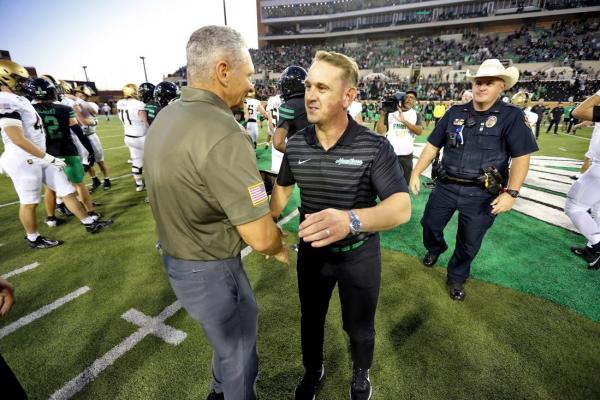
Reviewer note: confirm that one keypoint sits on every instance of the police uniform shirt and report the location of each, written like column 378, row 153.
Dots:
column 490, row 137
column 152, row 109
column 55, row 118
column 202, row 179
column 292, row 116
column 360, row 167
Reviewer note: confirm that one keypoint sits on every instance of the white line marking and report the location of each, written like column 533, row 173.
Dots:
column 155, row 327
column 543, row 213
column 574, row 136
column 9, row 204
column 113, row 148
column 21, row 322
column 26, row 268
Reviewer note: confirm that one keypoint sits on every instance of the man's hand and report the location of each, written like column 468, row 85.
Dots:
column 91, row 160
column 57, row 162
column 400, row 116
column 502, row 203
column 415, row 184
column 325, row 227
column 7, row 297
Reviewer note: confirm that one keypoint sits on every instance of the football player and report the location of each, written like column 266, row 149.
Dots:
column 89, row 110
column 164, row 93
column 292, row 113
column 146, row 95
column 252, row 108
column 272, row 108
column 132, row 114
column 59, row 120
column 25, row 159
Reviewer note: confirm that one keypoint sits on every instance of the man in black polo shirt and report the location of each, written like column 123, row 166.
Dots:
column 539, row 109
column 292, row 114
column 341, row 168
column 556, row 114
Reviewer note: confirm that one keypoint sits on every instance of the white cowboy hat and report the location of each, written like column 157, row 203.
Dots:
column 494, row 68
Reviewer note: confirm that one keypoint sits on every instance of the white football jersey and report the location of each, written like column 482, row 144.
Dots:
column 594, row 150
column 65, row 101
column 253, row 106
column 128, row 112
column 273, row 108
column 355, row 108
column 21, row 108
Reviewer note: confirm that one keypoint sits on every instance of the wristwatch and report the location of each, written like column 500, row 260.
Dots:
column 513, row 193
column 355, row 224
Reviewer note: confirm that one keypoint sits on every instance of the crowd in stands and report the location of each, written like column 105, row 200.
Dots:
column 564, row 41
column 341, row 6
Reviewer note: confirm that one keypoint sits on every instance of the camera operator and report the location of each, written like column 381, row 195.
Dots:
column 403, row 124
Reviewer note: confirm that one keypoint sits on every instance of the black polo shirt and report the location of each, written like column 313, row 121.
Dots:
column 292, row 116
column 360, row 167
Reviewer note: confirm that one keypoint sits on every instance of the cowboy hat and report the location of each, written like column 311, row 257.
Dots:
column 494, row 68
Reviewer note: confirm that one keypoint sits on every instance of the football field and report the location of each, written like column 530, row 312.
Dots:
column 95, row 318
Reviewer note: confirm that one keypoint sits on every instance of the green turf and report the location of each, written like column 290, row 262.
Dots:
column 506, row 341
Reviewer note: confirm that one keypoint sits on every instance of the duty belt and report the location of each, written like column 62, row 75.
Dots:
column 459, row 181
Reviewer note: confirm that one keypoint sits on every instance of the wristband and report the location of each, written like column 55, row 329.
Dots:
column 47, row 157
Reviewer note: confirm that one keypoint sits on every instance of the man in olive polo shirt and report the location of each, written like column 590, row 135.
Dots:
column 209, row 201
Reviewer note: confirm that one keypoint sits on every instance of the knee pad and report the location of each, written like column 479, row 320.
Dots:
column 136, row 170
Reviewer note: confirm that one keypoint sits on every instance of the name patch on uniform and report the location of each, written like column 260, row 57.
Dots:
column 458, row 122
column 491, row 121
column 258, row 193
column 348, row 161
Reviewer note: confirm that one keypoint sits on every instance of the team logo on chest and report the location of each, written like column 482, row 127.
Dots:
column 348, row 161
column 491, row 121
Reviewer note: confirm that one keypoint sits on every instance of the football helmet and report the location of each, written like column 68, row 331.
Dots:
column 66, row 87
column 165, row 92
column 146, row 92
column 130, row 90
column 40, row 89
column 85, row 89
column 520, row 99
column 291, row 81
column 12, row 75
column 50, row 78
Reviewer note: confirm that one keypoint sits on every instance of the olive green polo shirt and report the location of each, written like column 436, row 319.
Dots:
column 202, row 179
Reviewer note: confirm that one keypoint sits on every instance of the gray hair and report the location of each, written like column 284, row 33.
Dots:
column 209, row 44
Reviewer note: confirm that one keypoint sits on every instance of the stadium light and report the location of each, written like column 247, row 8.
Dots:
column 85, row 73
column 144, row 64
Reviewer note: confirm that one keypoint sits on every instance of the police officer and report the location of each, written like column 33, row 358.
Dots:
column 292, row 113
column 341, row 167
column 480, row 139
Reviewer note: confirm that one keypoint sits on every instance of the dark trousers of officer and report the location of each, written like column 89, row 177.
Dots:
column 217, row 294
column 406, row 162
column 538, row 127
column 474, row 219
column 358, row 275
column 555, row 124
column 9, row 384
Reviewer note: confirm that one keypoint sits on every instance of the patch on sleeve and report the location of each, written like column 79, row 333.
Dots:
column 258, row 193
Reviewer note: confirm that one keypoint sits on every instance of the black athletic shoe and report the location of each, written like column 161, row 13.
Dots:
column 51, row 221
column 215, row 396
column 95, row 185
column 360, row 388
column 42, row 243
column 62, row 208
column 308, row 386
column 594, row 263
column 97, row 225
column 106, row 185
column 456, row 290
column 584, row 252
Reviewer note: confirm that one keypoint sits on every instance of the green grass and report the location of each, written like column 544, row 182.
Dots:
column 527, row 330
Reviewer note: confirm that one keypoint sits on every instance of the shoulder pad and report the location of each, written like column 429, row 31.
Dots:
column 9, row 103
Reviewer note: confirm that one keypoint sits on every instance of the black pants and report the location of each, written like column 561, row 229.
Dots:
column 10, row 388
column 358, row 275
column 555, row 124
column 538, row 127
column 572, row 122
column 474, row 219
column 406, row 162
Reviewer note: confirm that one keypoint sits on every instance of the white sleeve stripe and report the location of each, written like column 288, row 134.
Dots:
column 6, row 122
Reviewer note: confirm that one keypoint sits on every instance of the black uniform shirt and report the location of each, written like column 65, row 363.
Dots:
column 292, row 116
column 557, row 113
column 539, row 110
column 55, row 118
column 490, row 137
column 360, row 167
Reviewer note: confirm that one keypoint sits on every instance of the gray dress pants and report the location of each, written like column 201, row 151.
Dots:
column 217, row 294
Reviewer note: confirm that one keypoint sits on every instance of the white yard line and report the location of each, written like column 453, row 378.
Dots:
column 18, row 271
column 575, row 136
column 112, row 148
column 148, row 325
column 21, row 322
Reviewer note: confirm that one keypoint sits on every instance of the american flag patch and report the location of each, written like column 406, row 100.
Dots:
column 258, row 193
